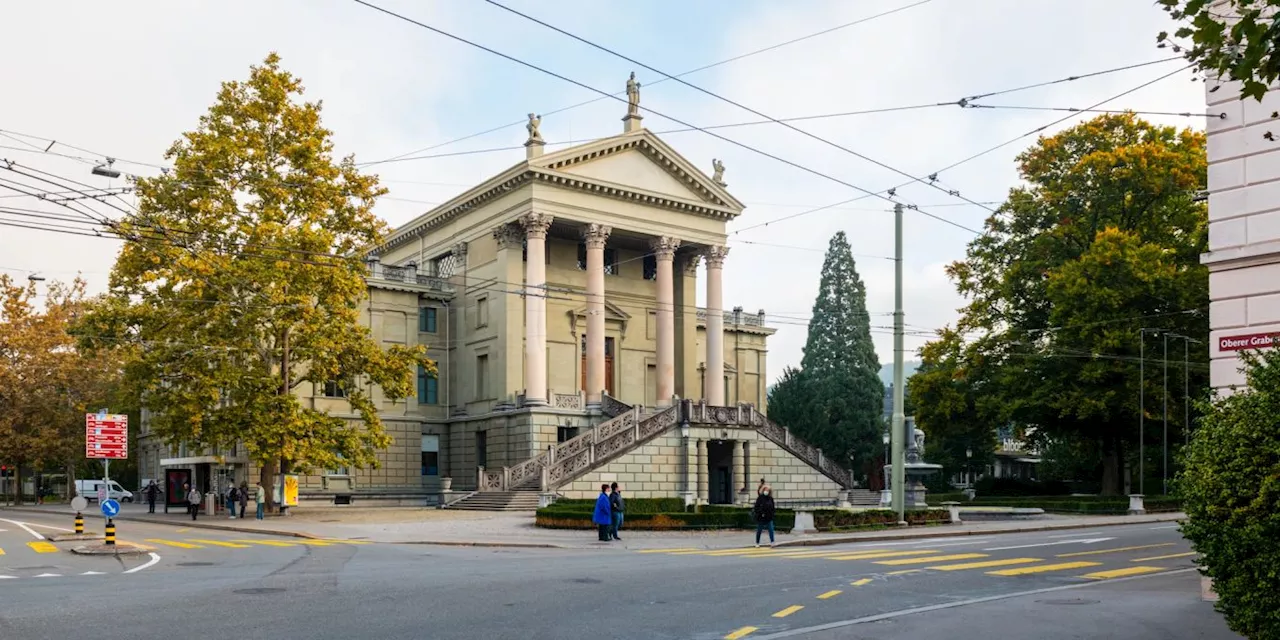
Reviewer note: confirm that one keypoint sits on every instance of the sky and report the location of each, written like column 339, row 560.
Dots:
column 124, row 80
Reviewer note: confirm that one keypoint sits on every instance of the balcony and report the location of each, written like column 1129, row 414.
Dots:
column 737, row 317
column 406, row 278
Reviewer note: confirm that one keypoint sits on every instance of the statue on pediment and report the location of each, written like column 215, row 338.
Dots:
column 718, row 172
column 535, row 132
column 633, row 96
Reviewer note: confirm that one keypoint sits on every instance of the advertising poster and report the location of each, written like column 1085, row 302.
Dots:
column 290, row 491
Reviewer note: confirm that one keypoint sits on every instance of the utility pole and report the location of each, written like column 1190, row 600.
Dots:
column 899, row 417
column 1142, row 407
column 1164, row 440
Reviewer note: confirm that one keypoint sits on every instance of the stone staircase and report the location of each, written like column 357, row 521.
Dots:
column 864, row 498
column 519, row 500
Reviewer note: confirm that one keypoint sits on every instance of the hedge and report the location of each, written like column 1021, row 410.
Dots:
column 836, row 519
column 719, row 518
column 1103, row 505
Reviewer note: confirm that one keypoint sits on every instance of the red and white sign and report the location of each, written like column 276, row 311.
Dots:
column 1250, row 341
column 106, row 436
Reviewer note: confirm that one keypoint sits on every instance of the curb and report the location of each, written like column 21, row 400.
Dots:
column 103, row 550
column 941, row 532
column 463, row 543
column 193, row 525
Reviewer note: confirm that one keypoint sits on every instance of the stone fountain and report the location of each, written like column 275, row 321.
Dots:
column 915, row 469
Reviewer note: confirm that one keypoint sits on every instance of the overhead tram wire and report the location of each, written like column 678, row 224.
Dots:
column 689, row 72
column 1137, row 112
column 654, row 112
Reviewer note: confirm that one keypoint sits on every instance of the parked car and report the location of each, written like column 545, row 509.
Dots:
column 89, row 489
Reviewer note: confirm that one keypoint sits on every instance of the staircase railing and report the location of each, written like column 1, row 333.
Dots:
column 746, row 415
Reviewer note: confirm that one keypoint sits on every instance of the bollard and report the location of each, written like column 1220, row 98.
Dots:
column 111, row 534
column 79, row 524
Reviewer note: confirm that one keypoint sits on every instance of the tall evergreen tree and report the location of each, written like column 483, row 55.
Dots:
column 836, row 399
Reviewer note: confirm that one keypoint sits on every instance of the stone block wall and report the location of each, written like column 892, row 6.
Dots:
column 652, row 470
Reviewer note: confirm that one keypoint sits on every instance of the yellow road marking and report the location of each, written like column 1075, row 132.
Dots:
column 740, row 633
column 316, row 543
column 1120, row 573
column 880, row 554
column 903, row 572
column 171, row 543
column 267, row 543
column 667, row 550
column 219, row 543
column 809, row 554
column 722, row 552
column 859, row 583
column 184, row 529
column 958, row 556
column 830, row 594
column 1043, row 568
column 125, row 543
column 1175, row 555
column 1, row 552
column 984, row 565
column 43, row 547
column 1092, row 553
column 348, row 541
column 788, row 611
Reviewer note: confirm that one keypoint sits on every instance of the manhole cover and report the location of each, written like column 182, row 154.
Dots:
column 587, row 581
column 1068, row 601
column 195, row 564
column 258, row 590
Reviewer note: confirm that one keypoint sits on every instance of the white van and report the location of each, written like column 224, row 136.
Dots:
column 89, row 489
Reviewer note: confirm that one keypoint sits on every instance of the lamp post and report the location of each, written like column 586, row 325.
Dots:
column 1142, row 406
column 968, row 466
column 885, row 467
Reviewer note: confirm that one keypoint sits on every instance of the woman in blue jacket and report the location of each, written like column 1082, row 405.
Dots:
column 603, row 516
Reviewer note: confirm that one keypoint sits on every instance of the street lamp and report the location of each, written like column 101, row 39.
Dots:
column 106, row 170
column 885, row 468
column 968, row 466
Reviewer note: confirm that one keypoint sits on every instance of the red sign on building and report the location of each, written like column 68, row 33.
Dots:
column 1250, row 341
column 106, row 436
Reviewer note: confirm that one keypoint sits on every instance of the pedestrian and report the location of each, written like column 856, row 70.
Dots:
column 233, row 496
column 152, row 491
column 261, row 497
column 763, row 513
column 603, row 516
column 616, row 505
column 244, row 497
column 193, row 500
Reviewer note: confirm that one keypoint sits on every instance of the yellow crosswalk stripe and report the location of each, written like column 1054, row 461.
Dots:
column 1063, row 566
column 807, row 554
column 1168, row 557
column 172, row 543
column 903, row 572
column 42, row 547
column 722, row 552
column 740, row 633
column 880, row 554
column 1120, row 573
column 958, row 556
column 1, row 552
column 667, row 550
column 830, row 594
column 1092, row 553
column 219, row 543
column 788, row 611
column 859, row 583
column 267, row 543
column 983, row 565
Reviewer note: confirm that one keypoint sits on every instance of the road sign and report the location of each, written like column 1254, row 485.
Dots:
column 110, row 508
column 79, row 503
column 106, row 436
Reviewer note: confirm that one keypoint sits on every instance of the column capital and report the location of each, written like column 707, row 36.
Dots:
column 508, row 236
column 715, row 256
column 689, row 266
column 536, row 224
column 596, row 235
column 664, row 247
column 460, row 249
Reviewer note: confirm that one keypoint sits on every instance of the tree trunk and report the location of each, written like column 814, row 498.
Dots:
column 1112, row 467
column 266, row 477
column 71, row 481
column 17, row 480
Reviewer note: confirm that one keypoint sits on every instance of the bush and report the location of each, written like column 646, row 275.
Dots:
column 1230, row 488
column 576, row 514
column 838, row 519
column 1095, row 505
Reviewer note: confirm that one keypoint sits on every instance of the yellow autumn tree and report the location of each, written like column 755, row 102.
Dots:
column 242, row 277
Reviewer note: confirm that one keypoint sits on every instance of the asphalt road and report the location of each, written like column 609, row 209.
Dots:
column 1092, row 583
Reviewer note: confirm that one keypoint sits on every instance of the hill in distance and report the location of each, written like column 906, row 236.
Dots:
column 908, row 368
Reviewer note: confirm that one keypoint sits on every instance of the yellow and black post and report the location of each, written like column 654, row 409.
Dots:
column 111, row 533
column 79, row 524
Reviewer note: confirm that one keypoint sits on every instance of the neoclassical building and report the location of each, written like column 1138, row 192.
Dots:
column 559, row 299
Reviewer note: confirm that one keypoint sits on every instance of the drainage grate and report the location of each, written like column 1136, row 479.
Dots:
column 258, row 590
column 1068, row 601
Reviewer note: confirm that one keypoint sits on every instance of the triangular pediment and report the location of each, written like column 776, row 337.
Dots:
column 611, row 312
column 641, row 161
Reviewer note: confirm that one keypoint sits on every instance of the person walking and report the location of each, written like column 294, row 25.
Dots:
column 151, row 492
column 763, row 513
column 617, row 506
column 233, row 496
column 603, row 515
column 261, row 498
column 193, row 500
column 244, row 497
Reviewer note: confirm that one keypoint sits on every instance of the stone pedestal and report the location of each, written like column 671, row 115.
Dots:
column 546, row 499
column 886, row 498
column 1136, row 507
column 914, row 494
column 804, row 523
column 842, row 500
column 954, row 508
column 1206, row 589
column 689, row 499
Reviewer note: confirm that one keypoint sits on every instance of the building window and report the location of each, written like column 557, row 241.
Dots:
column 611, row 262
column 339, row 470
column 430, row 455
column 428, row 387
column 482, row 312
column 582, row 256
column 427, row 319
column 566, row 433
column 650, row 267
column 482, row 376
column 482, row 449
column 334, row 389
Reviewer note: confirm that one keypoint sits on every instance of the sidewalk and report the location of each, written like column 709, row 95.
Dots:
column 499, row 529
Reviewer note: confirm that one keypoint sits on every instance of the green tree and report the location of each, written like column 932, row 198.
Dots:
column 952, row 406
column 1235, row 40
column 835, row 401
column 1230, row 490
column 1104, row 239
column 242, row 278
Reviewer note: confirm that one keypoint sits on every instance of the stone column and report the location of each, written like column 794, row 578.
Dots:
column 664, row 249
column 739, row 485
column 535, row 308
column 595, row 235
column 702, row 472
column 715, row 326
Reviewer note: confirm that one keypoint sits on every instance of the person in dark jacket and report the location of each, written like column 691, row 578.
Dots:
column 763, row 513
column 603, row 516
column 617, row 505
column 152, row 492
